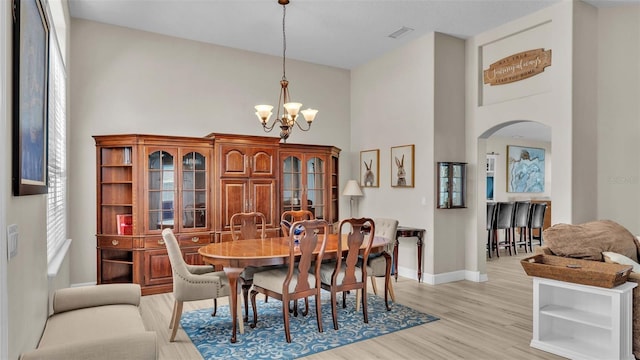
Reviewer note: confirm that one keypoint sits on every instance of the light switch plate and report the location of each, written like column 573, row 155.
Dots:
column 12, row 243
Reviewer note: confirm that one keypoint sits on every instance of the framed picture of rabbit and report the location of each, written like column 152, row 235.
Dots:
column 370, row 168
column 402, row 166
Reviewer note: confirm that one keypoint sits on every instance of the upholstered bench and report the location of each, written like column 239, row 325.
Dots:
column 96, row 322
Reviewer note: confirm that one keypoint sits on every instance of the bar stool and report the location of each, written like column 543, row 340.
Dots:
column 491, row 216
column 521, row 220
column 504, row 221
column 536, row 223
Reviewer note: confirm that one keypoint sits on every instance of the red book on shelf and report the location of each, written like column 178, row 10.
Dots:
column 125, row 224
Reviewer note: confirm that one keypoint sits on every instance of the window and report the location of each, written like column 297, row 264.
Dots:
column 57, row 169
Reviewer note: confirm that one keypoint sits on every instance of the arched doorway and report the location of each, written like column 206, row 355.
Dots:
column 493, row 150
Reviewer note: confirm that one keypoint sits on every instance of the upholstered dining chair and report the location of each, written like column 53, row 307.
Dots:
column 192, row 282
column 248, row 225
column 296, row 281
column 289, row 217
column 377, row 264
column 347, row 272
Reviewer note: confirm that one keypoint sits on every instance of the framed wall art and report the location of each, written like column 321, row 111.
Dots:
column 525, row 169
column 370, row 168
column 402, row 162
column 30, row 85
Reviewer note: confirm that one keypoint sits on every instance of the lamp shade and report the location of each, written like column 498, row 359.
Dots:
column 352, row 189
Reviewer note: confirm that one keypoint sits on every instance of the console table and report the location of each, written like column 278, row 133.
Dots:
column 405, row 231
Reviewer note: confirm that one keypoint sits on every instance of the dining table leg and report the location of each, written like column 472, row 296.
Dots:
column 233, row 274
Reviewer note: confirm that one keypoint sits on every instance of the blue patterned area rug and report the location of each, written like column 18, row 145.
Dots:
column 211, row 335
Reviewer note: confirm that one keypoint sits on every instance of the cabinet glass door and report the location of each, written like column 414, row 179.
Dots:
column 194, row 191
column 315, row 187
column 451, row 185
column 291, row 183
column 161, row 171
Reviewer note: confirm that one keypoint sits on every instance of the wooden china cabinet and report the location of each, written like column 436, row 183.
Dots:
column 146, row 183
column 309, row 180
column 193, row 185
column 246, row 179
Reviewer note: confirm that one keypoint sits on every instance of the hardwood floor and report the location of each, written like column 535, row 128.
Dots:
column 490, row 320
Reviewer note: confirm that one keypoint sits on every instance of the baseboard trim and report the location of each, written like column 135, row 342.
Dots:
column 444, row 278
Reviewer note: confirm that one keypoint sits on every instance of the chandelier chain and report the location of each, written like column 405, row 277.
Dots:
column 284, row 43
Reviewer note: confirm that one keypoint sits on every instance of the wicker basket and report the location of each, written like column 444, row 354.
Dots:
column 585, row 272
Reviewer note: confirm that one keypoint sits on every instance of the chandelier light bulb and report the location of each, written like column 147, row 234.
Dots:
column 309, row 114
column 264, row 112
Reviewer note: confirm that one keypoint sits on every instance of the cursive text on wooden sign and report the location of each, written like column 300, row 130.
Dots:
column 517, row 67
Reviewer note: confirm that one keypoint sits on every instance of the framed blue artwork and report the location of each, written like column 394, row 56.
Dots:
column 525, row 169
column 30, row 89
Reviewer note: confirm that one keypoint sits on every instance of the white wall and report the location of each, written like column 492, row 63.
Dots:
column 552, row 108
column 619, row 115
column 129, row 81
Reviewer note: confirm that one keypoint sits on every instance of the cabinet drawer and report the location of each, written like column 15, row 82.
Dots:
column 116, row 243
column 194, row 239
column 154, row 242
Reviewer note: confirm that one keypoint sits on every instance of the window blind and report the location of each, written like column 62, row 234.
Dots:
column 57, row 168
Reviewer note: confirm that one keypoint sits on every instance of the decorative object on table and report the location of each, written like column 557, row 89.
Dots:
column 30, row 84
column 210, row 335
column 402, row 174
column 452, row 185
column 370, row 168
column 525, row 169
column 353, row 191
column 291, row 109
column 585, row 272
column 289, row 217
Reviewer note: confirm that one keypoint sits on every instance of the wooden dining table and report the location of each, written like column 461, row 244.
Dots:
column 235, row 256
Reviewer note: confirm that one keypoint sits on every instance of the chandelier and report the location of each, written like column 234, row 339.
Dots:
column 291, row 109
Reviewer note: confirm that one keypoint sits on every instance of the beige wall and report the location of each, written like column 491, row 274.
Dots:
column 129, row 81
column 391, row 105
column 413, row 95
column 619, row 115
column 26, row 274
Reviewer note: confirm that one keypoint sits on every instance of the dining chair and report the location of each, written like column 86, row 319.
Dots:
column 248, row 225
column 504, row 221
column 491, row 216
column 192, row 282
column 536, row 223
column 289, row 217
column 347, row 272
column 521, row 220
column 296, row 281
column 377, row 263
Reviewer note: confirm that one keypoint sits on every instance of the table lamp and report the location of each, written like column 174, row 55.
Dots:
column 352, row 189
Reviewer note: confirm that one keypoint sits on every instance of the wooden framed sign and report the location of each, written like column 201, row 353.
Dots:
column 517, row 67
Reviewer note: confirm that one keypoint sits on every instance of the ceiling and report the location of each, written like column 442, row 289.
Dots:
column 338, row 33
